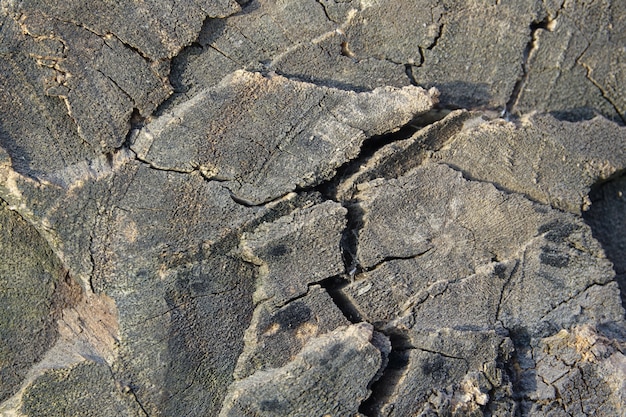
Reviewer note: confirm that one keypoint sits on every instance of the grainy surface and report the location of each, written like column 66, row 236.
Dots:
column 301, row 207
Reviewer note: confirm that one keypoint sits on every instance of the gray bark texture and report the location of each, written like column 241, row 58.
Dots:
column 372, row 208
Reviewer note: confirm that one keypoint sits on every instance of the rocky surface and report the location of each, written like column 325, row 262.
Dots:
column 294, row 208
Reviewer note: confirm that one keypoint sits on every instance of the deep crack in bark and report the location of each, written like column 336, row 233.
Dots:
column 529, row 52
column 606, row 196
column 384, row 388
column 334, row 287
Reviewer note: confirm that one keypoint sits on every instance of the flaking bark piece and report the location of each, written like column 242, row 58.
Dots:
column 425, row 234
column 266, row 136
column 276, row 335
column 155, row 29
column 296, row 250
column 309, row 385
column 550, row 161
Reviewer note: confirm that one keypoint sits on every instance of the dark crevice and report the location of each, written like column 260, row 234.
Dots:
column 422, row 59
column 445, row 355
column 505, row 285
column 219, row 51
column 158, row 168
column 421, row 49
column 369, row 147
column 607, row 219
column 395, row 258
column 384, row 388
column 520, row 369
column 408, row 70
column 395, row 362
column 132, row 392
column 321, row 3
column 433, row 44
column 132, row 48
column 211, row 29
column 128, row 96
column 128, row 389
column 436, row 114
column 334, row 287
column 136, row 123
column 328, row 189
column 178, row 66
column 350, row 238
column 290, row 300
column 249, row 203
column 385, row 59
column 529, row 51
column 92, row 259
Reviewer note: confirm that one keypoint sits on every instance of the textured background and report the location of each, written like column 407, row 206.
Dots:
column 312, row 208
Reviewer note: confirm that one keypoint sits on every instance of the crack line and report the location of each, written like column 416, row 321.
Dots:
column 603, row 93
column 529, row 52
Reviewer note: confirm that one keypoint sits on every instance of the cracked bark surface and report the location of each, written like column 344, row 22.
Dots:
column 565, row 74
column 264, row 208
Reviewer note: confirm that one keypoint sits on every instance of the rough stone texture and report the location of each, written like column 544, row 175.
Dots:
column 83, row 70
column 549, row 161
column 156, row 29
column 31, row 293
column 86, row 389
column 23, row 98
column 439, row 357
column 308, row 40
column 101, row 62
column 436, row 261
column 168, row 270
column 578, row 372
column 292, row 253
column 465, row 63
column 448, row 302
column 400, row 156
column 262, row 208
